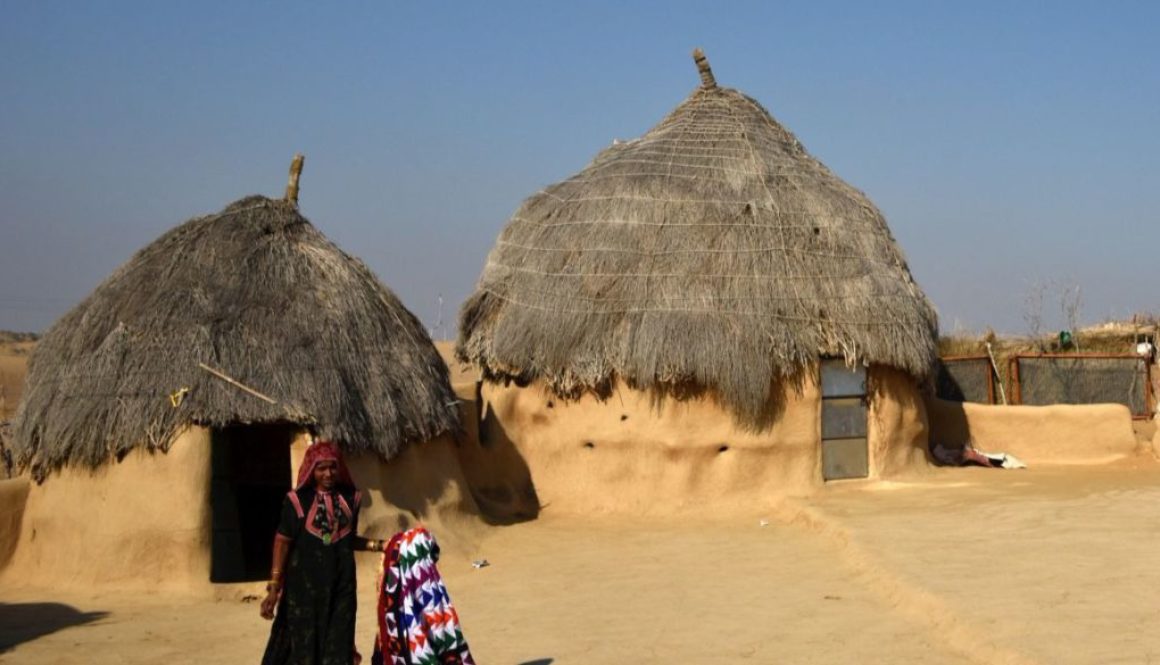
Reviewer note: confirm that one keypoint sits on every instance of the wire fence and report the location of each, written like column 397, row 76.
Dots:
column 965, row 379
column 1074, row 378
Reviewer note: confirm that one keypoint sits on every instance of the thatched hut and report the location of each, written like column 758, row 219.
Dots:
column 711, row 259
column 182, row 391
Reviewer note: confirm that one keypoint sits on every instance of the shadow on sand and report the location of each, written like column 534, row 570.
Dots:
column 24, row 622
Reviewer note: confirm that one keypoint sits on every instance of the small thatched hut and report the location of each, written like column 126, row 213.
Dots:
column 178, row 396
column 711, row 259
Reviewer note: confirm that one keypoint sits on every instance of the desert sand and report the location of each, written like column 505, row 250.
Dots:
column 13, row 365
column 1047, row 565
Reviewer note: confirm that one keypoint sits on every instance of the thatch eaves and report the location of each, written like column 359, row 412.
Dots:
column 258, row 294
column 713, row 251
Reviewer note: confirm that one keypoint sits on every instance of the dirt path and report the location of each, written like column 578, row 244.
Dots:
column 969, row 566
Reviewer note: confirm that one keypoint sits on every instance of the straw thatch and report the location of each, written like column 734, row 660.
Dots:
column 713, row 251
column 6, row 462
column 254, row 292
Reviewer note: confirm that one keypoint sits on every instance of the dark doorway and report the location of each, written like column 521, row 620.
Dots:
column 251, row 475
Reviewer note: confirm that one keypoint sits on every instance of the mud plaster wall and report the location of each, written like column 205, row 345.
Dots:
column 1154, row 375
column 1057, row 434
column 899, row 431
column 13, row 499
column 424, row 484
column 1156, row 435
column 141, row 523
column 145, row 523
column 629, row 454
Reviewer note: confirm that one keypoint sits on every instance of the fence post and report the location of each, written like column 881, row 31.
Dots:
column 998, row 379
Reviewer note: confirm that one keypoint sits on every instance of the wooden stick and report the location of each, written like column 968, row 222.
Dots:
column 707, row 79
column 295, row 173
column 998, row 379
column 236, row 384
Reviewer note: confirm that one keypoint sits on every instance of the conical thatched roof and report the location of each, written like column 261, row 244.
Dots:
column 259, row 295
column 713, row 251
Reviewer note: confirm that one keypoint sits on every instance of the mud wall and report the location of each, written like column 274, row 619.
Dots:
column 1057, row 434
column 899, row 430
column 145, row 522
column 13, row 499
column 632, row 453
column 424, row 484
column 141, row 523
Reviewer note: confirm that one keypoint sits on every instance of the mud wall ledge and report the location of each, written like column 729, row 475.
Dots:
column 1056, row 434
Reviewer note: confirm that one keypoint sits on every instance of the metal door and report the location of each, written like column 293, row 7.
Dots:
column 844, row 443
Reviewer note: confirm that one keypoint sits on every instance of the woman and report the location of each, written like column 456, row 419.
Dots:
column 417, row 622
column 313, row 578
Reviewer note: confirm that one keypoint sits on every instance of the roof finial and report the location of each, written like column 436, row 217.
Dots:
column 707, row 80
column 295, row 173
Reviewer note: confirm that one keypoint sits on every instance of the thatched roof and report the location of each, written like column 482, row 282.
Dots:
column 258, row 294
column 5, row 449
column 713, row 251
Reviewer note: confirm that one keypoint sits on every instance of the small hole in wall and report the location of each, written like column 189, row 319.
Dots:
column 722, row 448
column 589, row 444
column 623, row 417
column 551, row 404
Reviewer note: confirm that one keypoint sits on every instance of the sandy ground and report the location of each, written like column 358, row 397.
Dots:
column 968, row 566
column 1144, row 429
column 13, row 363
column 459, row 372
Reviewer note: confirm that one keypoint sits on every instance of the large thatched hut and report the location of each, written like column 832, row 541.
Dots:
column 164, row 414
column 676, row 299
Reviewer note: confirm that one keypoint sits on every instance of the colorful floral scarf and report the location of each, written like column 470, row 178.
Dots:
column 417, row 623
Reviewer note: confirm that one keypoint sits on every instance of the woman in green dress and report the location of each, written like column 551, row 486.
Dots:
column 312, row 583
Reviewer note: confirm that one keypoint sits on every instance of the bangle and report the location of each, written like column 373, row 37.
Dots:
column 275, row 574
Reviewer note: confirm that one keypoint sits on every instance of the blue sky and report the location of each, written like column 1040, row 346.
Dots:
column 1008, row 143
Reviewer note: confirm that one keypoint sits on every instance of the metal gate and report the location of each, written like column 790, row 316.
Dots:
column 844, row 444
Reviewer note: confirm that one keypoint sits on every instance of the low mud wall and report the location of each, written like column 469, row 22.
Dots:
column 1057, row 434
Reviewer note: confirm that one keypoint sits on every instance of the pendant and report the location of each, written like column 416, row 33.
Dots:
column 326, row 539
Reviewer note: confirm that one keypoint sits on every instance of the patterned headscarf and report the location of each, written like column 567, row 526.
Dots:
column 322, row 451
column 417, row 622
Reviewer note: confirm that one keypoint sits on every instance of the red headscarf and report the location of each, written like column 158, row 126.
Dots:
column 322, row 451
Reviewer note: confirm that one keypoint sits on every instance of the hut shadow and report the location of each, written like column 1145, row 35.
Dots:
column 497, row 473
column 755, row 417
column 454, row 476
column 538, row 661
column 26, row 622
column 949, row 426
